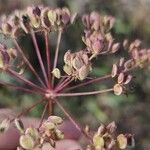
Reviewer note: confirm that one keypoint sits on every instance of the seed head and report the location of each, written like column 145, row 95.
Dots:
column 77, row 64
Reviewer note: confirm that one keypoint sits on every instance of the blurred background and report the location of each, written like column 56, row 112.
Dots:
column 131, row 113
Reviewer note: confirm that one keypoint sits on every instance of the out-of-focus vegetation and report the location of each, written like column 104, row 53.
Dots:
column 130, row 112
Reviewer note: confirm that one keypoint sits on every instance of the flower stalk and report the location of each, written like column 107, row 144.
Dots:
column 57, row 52
column 27, row 62
column 48, row 58
column 39, row 56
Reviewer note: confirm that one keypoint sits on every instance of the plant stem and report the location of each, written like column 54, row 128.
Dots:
column 50, row 107
column 48, row 58
column 28, row 109
column 83, row 93
column 29, row 83
column 42, row 116
column 72, row 120
column 39, row 56
column 56, row 53
column 64, row 85
column 18, row 88
column 60, row 85
column 27, row 62
column 60, row 81
column 97, row 79
column 89, row 82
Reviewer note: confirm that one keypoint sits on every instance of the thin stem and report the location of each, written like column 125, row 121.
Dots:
column 29, row 83
column 18, row 88
column 39, row 56
column 97, row 79
column 84, row 93
column 63, row 86
column 89, row 82
column 48, row 57
column 57, row 48
column 56, row 53
column 28, row 109
column 50, row 107
column 42, row 116
column 102, row 53
column 27, row 62
column 72, row 120
column 60, row 85
column 60, row 81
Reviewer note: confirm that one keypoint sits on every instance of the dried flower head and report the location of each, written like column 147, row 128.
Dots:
column 106, row 138
column 123, row 78
column 97, row 39
column 7, row 55
column 37, row 18
column 94, row 21
column 59, row 18
column 77, row 64
column 48, row 131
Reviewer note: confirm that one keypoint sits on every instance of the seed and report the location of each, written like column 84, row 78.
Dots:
column 55, row 119
column 27, row 142
column 122, row 141
column 118, row 89
column 19, row 125
column 56, row 73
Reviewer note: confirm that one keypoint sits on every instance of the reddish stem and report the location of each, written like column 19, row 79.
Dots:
column 50, row 108
column 73, row 120
column 60, row 85
column 39, row 56
column 48, row 58
column 28, row 109
column 64, row 85
column 97, row 79
column 89, row 82
column 42, row 116
column 60, row 81
column 27, row 62
column 19, row 88
column 56, row 53
column 29, row 83
column 83, row 93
